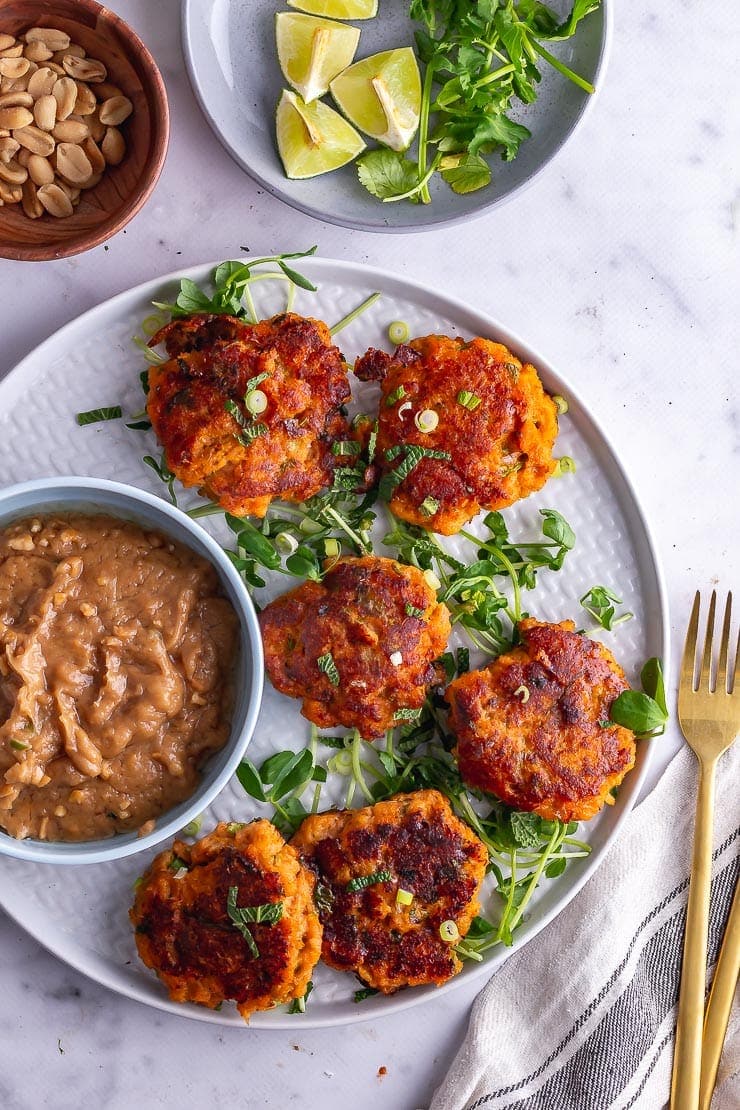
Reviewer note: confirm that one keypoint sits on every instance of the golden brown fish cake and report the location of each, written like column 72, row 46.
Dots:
column 533, row 727
column 184, row 931
column 197, row 408
column 377, row 622
column 498, row 452
column 428, row 852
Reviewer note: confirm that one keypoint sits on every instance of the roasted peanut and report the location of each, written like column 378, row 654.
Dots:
column 45, row 112
column 71, row 190
column 105, row 90
column 73, row 164
column 115, row 110
column 13, row 172
column 41, row 82
column 55, row 200
column 23, row 156
column 94, row 154
column 85, row 103
column 14, row 67
column 37, row 52
column 40, row 170
column 12, row 51
column 32, row 206
column 34, row 139
column 15, row 117
column 113, row 146
column 97, row 129
column 71, row 131
column 50, row 36
column 85, row 69
column 8, row 148
column 16, row 100
column 74, row 50
column 65, row 94
column 10, row 194
column 6, row 41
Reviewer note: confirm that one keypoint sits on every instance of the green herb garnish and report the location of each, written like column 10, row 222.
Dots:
column 94, row 416
column 241, row 917
column 646, row 713
column 363, row 881
column 327, row 665
column 396, row 395
column 601, row 603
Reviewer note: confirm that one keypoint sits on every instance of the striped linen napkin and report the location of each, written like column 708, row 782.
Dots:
column 583, row 1017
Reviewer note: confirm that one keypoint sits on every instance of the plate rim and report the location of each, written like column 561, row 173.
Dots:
column 99, row 970
column 190, row 6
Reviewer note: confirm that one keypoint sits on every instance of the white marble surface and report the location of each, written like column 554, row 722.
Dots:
column 621, row 263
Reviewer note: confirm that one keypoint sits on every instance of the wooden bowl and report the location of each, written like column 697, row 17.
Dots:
column 123, row 189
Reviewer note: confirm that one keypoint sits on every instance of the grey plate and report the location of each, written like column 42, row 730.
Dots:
column 229, row 47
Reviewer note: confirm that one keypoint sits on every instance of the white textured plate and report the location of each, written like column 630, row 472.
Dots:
column 81, row 913
column 229, row 48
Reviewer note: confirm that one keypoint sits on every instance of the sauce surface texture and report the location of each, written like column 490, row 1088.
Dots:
column 116, row 654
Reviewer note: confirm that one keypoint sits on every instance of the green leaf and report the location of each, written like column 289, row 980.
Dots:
column 296, row 772
column 94, row 416
column 638, row 712
column 296, row 278
column 258, row 546
column 651, row 679
column 327, row 665
column 556, row 528
column 387, row 173
column 526, row 828
column 249, row 778
column 556, row 867
column 466, row 173
column 272, row 768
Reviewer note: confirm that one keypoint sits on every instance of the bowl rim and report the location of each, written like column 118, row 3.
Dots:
column 122, row 845
column 160, row 115
column 433, row 223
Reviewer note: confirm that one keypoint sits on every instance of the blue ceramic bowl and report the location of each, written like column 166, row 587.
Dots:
column 98, row 496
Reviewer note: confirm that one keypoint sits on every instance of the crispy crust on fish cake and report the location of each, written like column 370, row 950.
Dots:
column 500, row 451
column 533, row 727
column 212, row 441
column 428, row 852
column 382, row 626
column 184, row 932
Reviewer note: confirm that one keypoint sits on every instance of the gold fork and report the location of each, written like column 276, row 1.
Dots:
column 709, row 715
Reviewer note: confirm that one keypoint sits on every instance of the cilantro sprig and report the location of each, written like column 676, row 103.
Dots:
column 479, row 58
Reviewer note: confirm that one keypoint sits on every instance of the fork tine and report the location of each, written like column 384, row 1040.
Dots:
column 688, row 662
column 705, row 674
column 723, row 677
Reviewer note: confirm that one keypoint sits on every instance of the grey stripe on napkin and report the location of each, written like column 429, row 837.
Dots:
column 583, row 1017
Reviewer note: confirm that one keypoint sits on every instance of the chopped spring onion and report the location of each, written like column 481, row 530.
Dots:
column 327, row 665
column 396, row 658
column 341, row 763
column 193, row 827
column 256, row 402
column 94, row 416
column 19, row 745
column 150, row 325
column 398, row 331
column 176, row 864
column 431, row 580
column 332, row 548
column 404, row 897
column 404, row 407
column 426, row 420
column 309, row 527
column 565, row 465
column 560, row 404
column 522, row 692
column 233, row 827
column 397, row 395
column 449, row 932
column 285, row 543
column 469, row 400
column 429, row 506
column 363, row 881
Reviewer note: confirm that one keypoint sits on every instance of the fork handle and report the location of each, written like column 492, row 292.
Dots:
column 720, row 1002
column 687, row 1055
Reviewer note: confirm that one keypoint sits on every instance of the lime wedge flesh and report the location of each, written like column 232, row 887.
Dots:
column 313, row 138
column 381, row 95
column 337, row 9
column 313, row 51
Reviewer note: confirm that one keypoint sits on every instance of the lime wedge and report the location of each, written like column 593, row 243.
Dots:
column 382, row 96
column 313, row 138
column 312, row 51
column 337, row 9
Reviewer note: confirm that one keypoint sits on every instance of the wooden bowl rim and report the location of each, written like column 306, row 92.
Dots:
column 160, row 118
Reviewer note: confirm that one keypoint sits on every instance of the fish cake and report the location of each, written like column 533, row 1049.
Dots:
column 212, row 440
column 495, row 428
column 533, row 727
column 185, row 933
column 358, row 646
column 428, row 852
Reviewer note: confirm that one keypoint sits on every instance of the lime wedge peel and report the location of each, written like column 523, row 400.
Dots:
column 313, row 51
column 381, row 96
column 312, row 138
column 337, row 9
